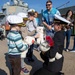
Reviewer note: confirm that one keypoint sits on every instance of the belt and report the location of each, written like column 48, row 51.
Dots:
column 57, row 56
column 13, row 56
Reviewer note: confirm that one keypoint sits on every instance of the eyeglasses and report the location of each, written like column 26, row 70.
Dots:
column 48, row 4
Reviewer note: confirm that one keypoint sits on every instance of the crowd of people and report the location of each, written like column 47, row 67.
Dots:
column 25, row 24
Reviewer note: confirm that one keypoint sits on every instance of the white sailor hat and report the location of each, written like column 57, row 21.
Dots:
column 58, row 18
column 23, row 15
column 31, row 10
column 7, row 18
column 14, row 19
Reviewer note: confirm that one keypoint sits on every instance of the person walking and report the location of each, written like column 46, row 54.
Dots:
column 69, row 17
column 48, row 16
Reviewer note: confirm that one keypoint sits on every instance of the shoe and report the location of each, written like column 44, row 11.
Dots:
column 72, row 50
column 67, row 50
column 25, row 71
column 60, row 73
column 30, row 59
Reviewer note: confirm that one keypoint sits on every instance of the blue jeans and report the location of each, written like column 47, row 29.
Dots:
column 67, row 36
column 30, row 51
column 50, row 33
column 74, row 43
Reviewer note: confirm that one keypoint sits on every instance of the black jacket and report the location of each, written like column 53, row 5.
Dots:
column 55, row 66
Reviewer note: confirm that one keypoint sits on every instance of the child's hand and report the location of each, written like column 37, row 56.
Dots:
column 33, row 41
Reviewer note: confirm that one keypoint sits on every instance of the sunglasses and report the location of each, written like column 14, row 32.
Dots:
column 48, row 4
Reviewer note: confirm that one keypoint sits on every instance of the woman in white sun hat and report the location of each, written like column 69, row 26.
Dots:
column 31, row 25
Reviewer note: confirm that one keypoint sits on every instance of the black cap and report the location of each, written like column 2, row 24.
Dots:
column 61, row 20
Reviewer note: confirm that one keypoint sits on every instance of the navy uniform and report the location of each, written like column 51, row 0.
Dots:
column 53, row 58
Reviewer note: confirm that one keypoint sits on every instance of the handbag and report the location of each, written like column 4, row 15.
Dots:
column 31, row 33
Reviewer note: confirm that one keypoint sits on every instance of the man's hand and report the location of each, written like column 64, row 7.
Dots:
column 49, row 27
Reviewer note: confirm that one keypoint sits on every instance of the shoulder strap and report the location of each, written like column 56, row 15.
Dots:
column 34, row 25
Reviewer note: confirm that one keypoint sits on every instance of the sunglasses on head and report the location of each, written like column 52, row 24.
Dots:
column 48, row 4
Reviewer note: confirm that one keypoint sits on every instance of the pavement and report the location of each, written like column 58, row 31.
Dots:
column 68, row 66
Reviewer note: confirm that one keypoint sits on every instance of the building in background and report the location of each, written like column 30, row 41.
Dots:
column 7, row 9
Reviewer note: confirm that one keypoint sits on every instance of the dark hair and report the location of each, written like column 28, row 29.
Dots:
column 49, row 1
column 31, row 13
column 36, row 12
column 68, row 12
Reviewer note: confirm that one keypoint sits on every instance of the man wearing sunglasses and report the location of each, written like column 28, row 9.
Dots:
column 48, row 16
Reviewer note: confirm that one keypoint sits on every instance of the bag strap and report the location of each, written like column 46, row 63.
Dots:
column 34, row 25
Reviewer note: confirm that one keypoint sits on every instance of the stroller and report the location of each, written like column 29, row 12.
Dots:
column 1, row 34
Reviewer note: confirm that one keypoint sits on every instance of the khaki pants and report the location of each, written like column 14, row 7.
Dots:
column 31, row 33
column 25, row 32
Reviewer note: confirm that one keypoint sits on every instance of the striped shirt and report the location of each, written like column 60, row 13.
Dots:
column 15, row 43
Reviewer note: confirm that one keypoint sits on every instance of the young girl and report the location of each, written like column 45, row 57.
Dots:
column 69, row 17
column 31, row 25
column 53, row 58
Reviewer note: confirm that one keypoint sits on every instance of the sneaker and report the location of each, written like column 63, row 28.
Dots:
column 25, row 71
column 60, row 73
column 67, row 50
column 72, row 50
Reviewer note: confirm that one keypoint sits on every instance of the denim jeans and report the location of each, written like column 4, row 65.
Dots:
column 74, row 43
column 67, row 36
column 22, row 63
column 50, row 33
column 30, row 51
